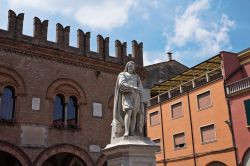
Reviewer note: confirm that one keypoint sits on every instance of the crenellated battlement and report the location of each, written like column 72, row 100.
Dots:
column 40, row 33
column 15, row 23
column 40, row 29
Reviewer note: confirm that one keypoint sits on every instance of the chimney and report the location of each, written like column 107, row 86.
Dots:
column 169, row 56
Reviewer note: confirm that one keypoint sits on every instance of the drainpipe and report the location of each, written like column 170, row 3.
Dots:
column 162, row 131
column 191, row 125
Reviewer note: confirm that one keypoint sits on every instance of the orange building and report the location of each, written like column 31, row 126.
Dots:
column 189, row 118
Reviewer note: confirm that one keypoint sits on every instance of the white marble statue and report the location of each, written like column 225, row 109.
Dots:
column 128, row 112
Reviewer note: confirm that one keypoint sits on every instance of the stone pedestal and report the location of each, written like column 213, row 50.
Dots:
column 131, row 151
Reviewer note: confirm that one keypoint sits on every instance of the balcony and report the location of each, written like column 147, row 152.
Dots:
column 238, row 86
column 153, row 101
column 187, row 86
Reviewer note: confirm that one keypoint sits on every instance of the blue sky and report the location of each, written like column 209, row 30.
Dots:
column 192, row 30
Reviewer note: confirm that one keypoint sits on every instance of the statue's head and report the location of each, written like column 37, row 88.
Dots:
column 130, row 67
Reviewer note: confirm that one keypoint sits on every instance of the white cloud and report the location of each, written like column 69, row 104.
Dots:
column 187, row 23
column 158, row 57
column 155, row 3
column 95, row 14
column 193, row 28
column 105, row 15
column 62, row 6
column 145, row 16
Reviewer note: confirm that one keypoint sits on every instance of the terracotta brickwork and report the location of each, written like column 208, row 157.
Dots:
column 37, row 68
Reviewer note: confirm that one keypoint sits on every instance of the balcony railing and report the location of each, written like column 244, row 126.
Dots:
column 200, row 81
column 238, row 86
column 187, row 86
column 197, row 82
column 153, row 101
column 164, row 96
column 175, row 92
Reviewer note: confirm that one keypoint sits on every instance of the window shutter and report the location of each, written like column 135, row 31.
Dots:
column 154, row 118
column 179, row 139
column 157, row 142
column 247, row 109
column 204, row 100
column 176, row 110
column 208, row 133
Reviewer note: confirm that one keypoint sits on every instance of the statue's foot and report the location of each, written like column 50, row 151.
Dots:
column 125, row 135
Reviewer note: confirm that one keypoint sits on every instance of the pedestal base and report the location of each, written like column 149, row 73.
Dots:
column 131, row 151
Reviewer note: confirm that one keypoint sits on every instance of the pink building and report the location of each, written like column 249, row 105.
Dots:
column 237, row 80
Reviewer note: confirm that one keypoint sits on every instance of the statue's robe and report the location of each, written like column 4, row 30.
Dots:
column 126, row 98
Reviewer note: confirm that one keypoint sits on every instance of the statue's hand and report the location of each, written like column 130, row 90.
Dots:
column 138, row 89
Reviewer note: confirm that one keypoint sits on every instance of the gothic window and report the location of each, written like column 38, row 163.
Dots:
column 66, row 97
column 58, row 117
column 72, row 111
column 65, row 112
column 7, row 103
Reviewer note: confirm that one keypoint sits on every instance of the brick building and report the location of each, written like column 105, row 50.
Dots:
column 190, row 118
column 56, row 100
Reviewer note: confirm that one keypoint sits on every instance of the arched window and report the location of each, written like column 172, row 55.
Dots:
column 58, row 116
column 7, row 103
column 72, row 111
column 246, row 158
column 216, row 163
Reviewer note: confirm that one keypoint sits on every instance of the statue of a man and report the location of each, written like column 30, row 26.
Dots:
column 128, row 113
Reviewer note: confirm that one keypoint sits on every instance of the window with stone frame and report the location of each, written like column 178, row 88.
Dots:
column 154, row 118
column 179, row 140
column 176, row 110
column 208, row 133
column 204, row 100
column 7, row 104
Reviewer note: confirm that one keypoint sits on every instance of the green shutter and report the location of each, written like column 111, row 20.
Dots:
column 247, row 109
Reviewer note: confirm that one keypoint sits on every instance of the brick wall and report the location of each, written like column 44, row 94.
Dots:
column 38, row 68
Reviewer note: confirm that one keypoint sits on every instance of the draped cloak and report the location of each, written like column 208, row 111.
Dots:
column 121, row 90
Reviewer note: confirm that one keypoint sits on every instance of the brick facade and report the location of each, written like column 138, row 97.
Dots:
column 37, row 68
